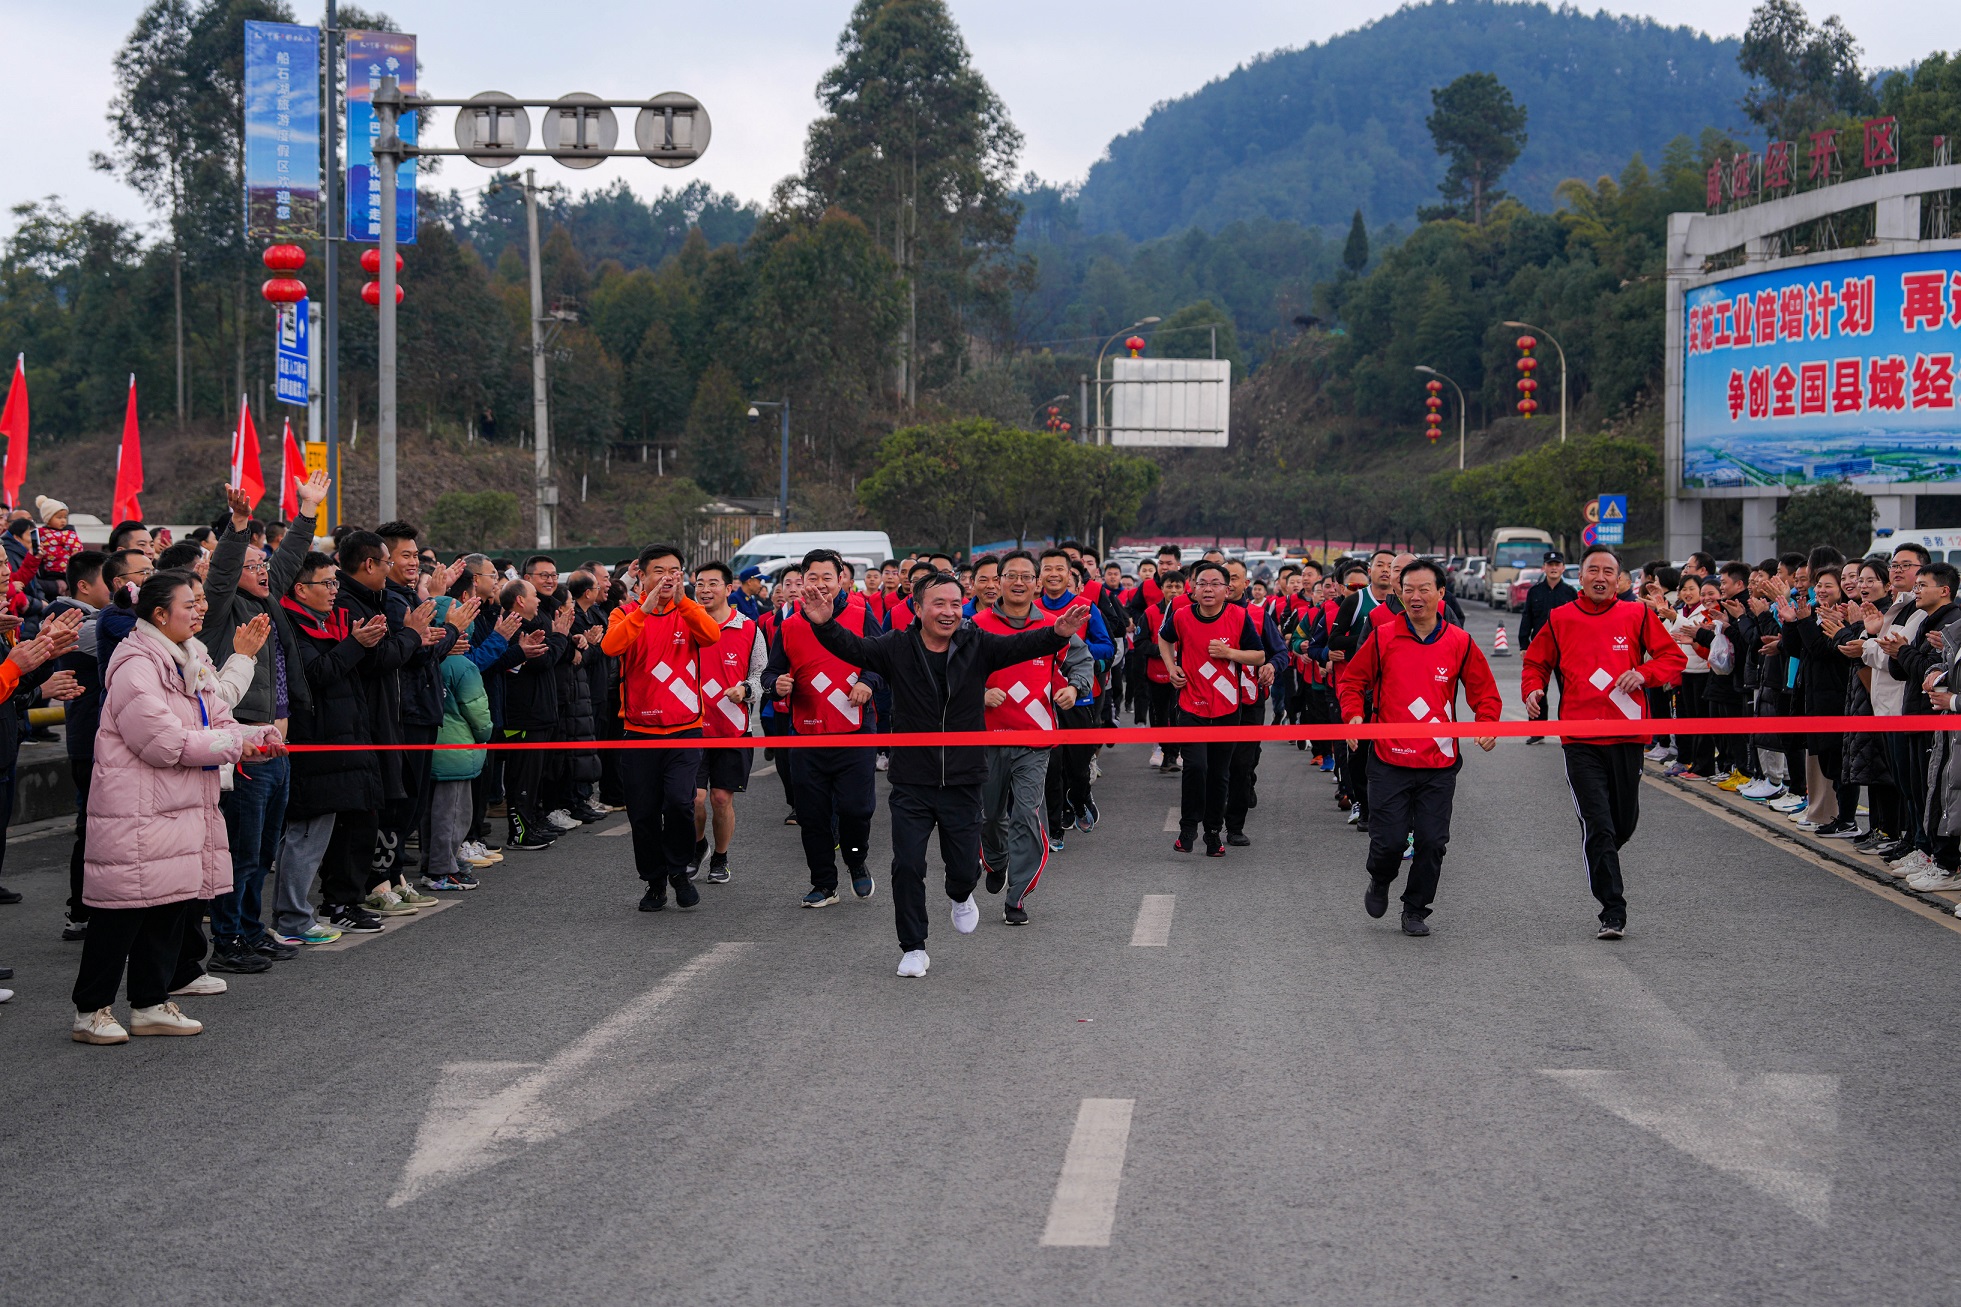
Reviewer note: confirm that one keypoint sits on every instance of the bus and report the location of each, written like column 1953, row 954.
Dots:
column 1511, row 550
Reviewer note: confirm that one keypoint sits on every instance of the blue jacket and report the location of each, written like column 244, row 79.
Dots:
column 1094, row 634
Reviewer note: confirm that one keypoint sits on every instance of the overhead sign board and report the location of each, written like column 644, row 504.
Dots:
column 1170, row 402
column 1831, row 371
column 1612, row 520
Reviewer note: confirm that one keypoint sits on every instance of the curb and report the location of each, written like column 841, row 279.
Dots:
column 1872, row 870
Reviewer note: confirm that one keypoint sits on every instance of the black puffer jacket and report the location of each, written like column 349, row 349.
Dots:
column 380, row 676
column 336, row 712
column 1863, row 760
column 921, row 703
column 531, row 684
column 421, row 678
column 576, row 721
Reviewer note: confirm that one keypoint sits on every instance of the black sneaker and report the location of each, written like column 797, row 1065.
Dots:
column 1362, row 826
column 1214, row 846
column 1015, row 916
column 1186, row 839
column 272, row 949
column 9, row 895
column 530, row 843
column 996, row 880
column 1608, row 930
column 862, row 883
column 1894, row 851
column 238, row 961
column 1845, row 828
column 718, row 869
column 1237, row 838
column 1086, row 819
column 72, row 930
column 685, row 893
column 1415, row 925
column 588, row 814
column 350, row 920
column 654, row 900
column 1375, row 899
column 1871, row 840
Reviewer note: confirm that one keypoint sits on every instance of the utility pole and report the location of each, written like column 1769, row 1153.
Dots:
column 541, row 423
column 330, row 253
column 388, row 154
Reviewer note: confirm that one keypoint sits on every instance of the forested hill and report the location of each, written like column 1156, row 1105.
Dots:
column 1310, row 134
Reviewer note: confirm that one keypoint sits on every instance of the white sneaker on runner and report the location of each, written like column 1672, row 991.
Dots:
column 966, row 915
column 1157, row 755
column 915, row 962
column 561, row 820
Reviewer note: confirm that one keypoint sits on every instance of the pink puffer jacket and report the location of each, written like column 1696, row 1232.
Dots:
column 155, row 833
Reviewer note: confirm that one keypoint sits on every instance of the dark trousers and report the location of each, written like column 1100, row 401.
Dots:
column 145, row 940
column 480, row 800
column 1243, row 773
column 255, row 819
column 1317, row 710
column 916, row 810
column 779, row 724
column 1605, row 780
column 1410, row 801
column 1354, row 765
column 836, row 792
column 1906, row 753
column 409, row 815
column 1163, row 697
column 1206, row 779
column 347, row 870
column 524, row 784
column 660, row 806
column 1067, row 783
column 80, row 770
column 1695, row 751
column 191, row 945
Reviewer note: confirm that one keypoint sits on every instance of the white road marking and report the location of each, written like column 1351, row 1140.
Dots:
column 1777, row 1133
column 1085, row 1205
column 483, row 1113
column 624, row 828
column 1153, row 929
column 1171, row 821
column 389, row 926
column 767, row 769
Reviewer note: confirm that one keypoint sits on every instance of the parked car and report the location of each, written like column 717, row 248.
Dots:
column 1521, row 586
column 1472, row 578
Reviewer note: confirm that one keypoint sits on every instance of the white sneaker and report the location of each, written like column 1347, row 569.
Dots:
column 1788, row 802
column 1157, row 755
column 561, row 820
column 915, row 962
column 5, row 994
column 203, row 987
column 966, row 915
column 1095, row 771
column 1935, row 878
column 884, row 762
column 99, row 1027
column 1354, row 815
column 163, row 1019
column 469, row 849
column 1656, row 754
column 1757, row 789
column 1914, row 865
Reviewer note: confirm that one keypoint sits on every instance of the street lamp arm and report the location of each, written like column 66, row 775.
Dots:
column 1151, row 321
column 1561, row 349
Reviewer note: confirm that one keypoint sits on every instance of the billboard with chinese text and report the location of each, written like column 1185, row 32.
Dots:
column 1833, row 371
column 370, row 57
column 282, row 131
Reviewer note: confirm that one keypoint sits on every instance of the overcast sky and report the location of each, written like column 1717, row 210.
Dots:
column 1073, row 73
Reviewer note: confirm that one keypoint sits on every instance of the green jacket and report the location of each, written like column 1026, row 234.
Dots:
column 466, row 720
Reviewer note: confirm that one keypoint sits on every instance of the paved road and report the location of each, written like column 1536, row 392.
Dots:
column 541, row 1095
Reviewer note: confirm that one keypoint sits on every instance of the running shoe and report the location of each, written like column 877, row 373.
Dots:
column 1787, row 803
column 531, row 843
column 1343, row 802
column 352, row 920
column 685, row 893
column 314, row 934
column 913, row 965
column 276, row 950
column 587, row 814
column 1015, row 916
column 1610, row 931
column 1328, row 763
column 1157, row 755
column 1656, row 754
column 411, row 896
column 387, row 903
column 561, row 820
column 72, row 930
column 1375, row 899
column 1055, row 842
column 1676, row 770
column 1238, row 839
column 1935, row 878
column 1871, row 840
column 1184, row 842
column 1096, row 768
column 966, row 915
column 1086, row 819
column 718, row 869
column 1174, row 765
column 1414, row 925
column 884, row 763
column 862, row 883
column 1409, row 849
column 239, row 961
column 1354, row 816
column 464, row 879
column 1843, row 829
column 1214, row 846
column 441, row 884
column 997, row 879
column 820, row 898
column 654, row 900
column 1758, row 789
column 1736, row 780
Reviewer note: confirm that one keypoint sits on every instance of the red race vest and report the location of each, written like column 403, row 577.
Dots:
column 724, row 664
column 1030, row 685
column 1417, row 682
column 660, row 675
column 1211, row 688
column 822, row 680
column 900, row 615
column 1154, row 668
column 1249, row 677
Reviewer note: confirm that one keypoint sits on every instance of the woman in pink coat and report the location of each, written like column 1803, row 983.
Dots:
column 156, row 838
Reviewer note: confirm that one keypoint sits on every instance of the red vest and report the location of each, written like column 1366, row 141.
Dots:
column 900, row 615
column 724, row 665
column 822, row 680
column 1417, row 682
column 660, row 675
column 1249, row 677
column 1154, row 668
column 1030, row 685
column 1211, row 688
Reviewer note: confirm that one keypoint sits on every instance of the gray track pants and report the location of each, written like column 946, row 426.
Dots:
column 1014, row 827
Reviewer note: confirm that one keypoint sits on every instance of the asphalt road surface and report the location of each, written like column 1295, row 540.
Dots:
column 1188, row 1081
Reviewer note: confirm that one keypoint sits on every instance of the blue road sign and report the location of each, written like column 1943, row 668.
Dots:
column 1613, row 519
column 289, row 354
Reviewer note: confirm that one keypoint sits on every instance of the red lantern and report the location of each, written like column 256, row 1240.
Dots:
column 1433, row 386
column 1135, row 345
column 1433, row 403
column 371, row 262
column 371, row 293
column 1527, row 385
column 1528, row 406
column 1528, row 343
column 1528, row 364
column 284, row 290
column 284, row 258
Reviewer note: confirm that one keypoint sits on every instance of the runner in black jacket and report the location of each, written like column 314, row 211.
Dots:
column 938, row 669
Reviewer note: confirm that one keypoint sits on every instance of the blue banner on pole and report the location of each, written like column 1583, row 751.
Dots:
column 282, row 131
column 372, row 56
column 290, row 354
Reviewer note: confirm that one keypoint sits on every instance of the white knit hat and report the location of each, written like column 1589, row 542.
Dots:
column 47, row 508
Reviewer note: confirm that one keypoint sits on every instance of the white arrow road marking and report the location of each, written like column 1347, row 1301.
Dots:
column 483, row 1113
column 1778, row 1133
column 1085, row 1205
column 1153, row 928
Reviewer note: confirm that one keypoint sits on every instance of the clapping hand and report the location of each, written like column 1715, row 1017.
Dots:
column 562, row 619
column 241, row 506
column 61, row 685
column 250, row 637
column 368, row 634
column 533, row 644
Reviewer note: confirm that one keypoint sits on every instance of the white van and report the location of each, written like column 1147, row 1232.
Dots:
column 759, row 550
column 1943, row 544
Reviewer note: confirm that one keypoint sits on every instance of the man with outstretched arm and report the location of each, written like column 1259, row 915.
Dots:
column 1411, row 670
column 938, row 668
column 1606, row 655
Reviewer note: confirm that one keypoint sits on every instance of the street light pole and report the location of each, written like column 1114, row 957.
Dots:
column 545, row 492
column 1422, row 367
column 1102, row 434
column 782, row 407
column 1526, row 326
column 1046, row 404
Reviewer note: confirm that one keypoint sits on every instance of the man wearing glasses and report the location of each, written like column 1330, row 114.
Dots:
column 239, row 588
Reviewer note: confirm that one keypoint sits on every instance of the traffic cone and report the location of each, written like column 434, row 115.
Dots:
column 1501, row 647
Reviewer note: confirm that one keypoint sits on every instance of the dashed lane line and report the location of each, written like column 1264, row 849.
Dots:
column 1084, row 1209
column 1153, row 928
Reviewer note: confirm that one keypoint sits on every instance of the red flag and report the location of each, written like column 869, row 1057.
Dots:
column 129, row 465
column 245, row 456
column 292, row 471
column 13, row 425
